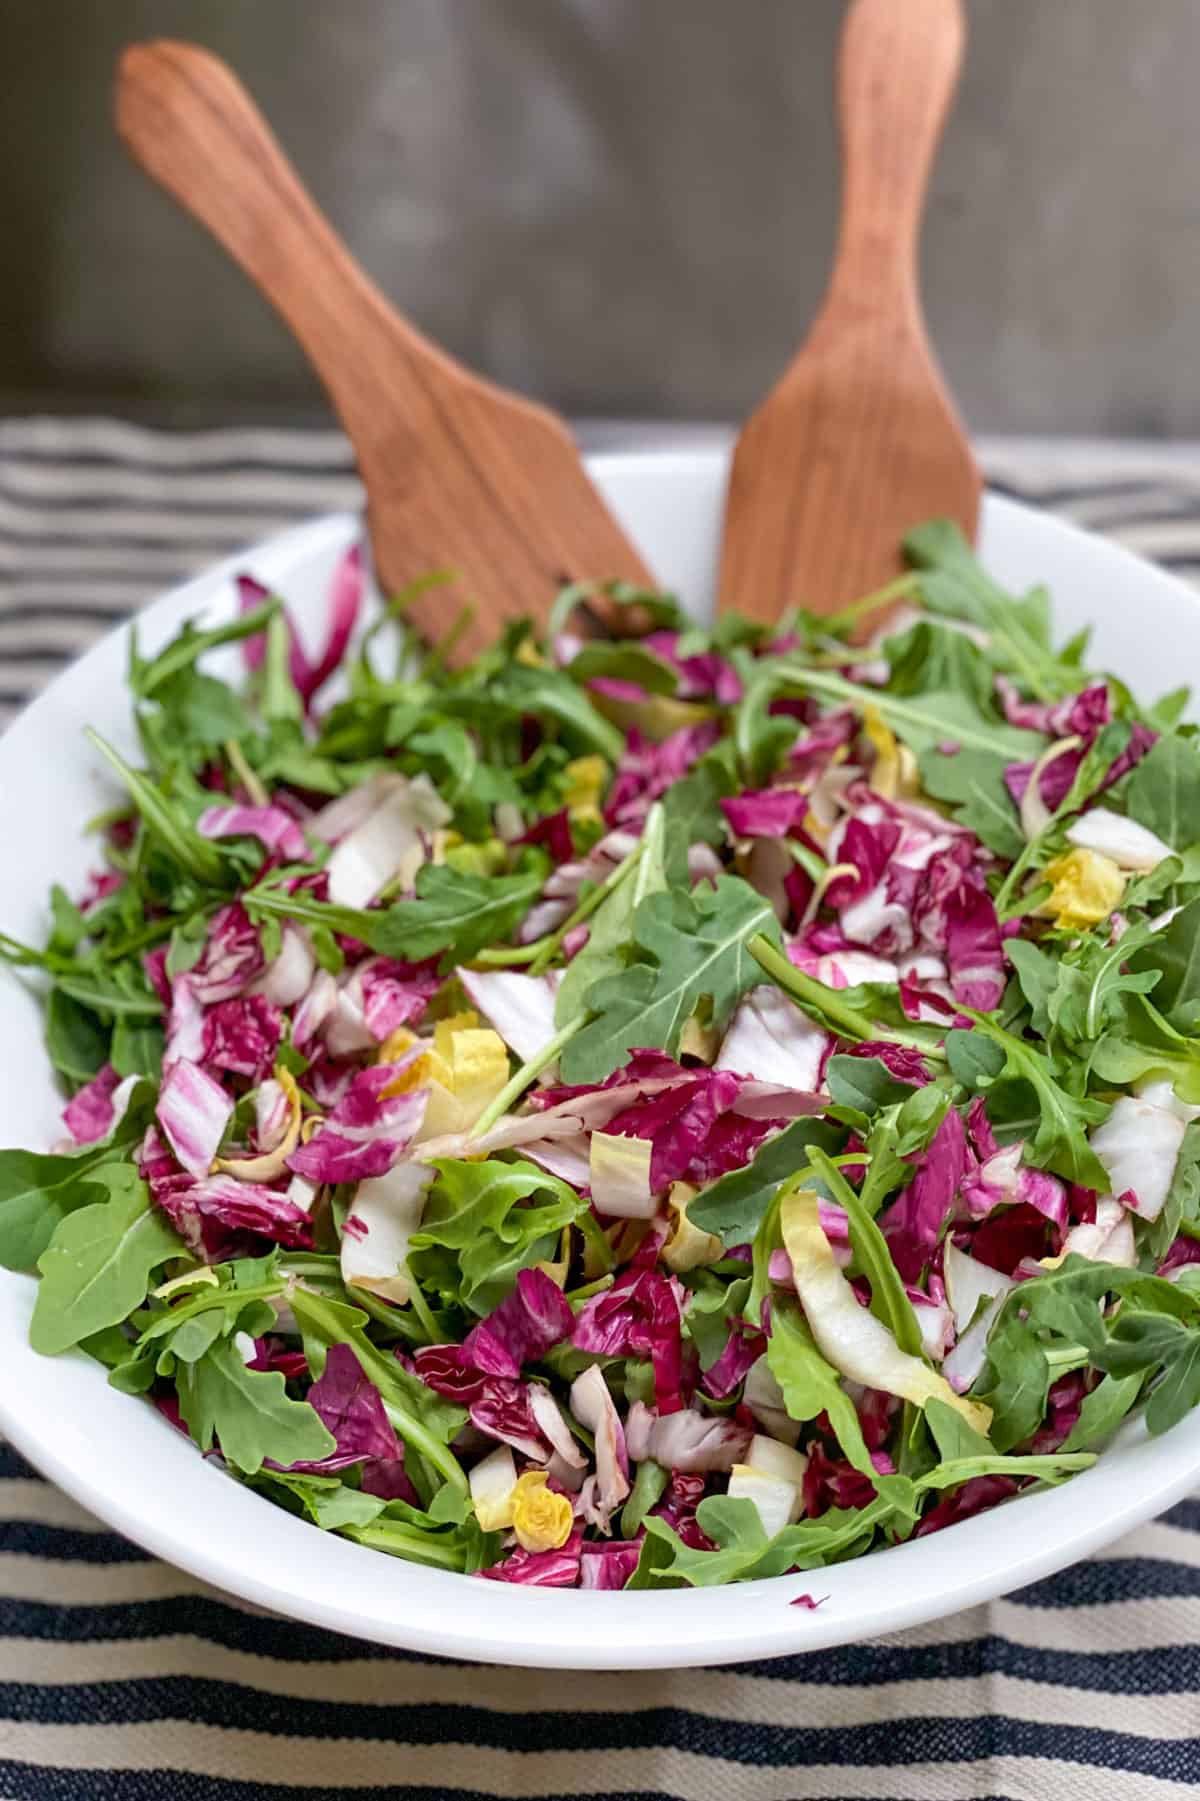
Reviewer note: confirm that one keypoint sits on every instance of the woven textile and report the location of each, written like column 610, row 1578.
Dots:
column 122, row 1678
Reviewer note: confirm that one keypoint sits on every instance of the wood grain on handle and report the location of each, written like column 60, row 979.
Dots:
column 459, row 473
column 858, row 441
column 897, row 72
column 190, row 123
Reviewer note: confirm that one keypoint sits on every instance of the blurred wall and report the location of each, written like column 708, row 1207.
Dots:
column 623, row 205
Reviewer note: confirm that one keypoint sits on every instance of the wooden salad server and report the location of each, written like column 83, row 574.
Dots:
column 458, row 472
column 859, row 440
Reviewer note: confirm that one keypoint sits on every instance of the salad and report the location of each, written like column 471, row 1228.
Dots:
column 657, row 1110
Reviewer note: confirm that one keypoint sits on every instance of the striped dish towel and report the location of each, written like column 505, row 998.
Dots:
column 122, row 1679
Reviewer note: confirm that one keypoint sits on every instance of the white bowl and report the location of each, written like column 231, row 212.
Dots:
column 119, row 1458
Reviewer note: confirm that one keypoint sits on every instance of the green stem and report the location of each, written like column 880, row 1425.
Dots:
column 378, row 1368
column 897, row 589
column 528, row 1072
column 406, row 1541
column 823, row 1004
column 589, row 904
column 442, row 647
column 245, row 775
column 577, row 1296
column 192, row 852
column 420, row 1307
column 543, row 950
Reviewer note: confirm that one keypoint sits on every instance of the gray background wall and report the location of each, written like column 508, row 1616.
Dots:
column 623, row 205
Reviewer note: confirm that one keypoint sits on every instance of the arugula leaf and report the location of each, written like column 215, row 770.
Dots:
column 76, row 1040
column 697, row 950
column 1059, row 1142
column 422, row 1537
column 248, row 1411
column 200, row 712
column 734, row 1205
column 1014, row 1382
column 924, row 721
column 692, row 812
column 137, row 1048
column 39, row 1191
column 864, row 1083
column 495, row 1219
column 421, row 1418
column 550, row 693
column 954, row 1436
column 933, row 653
column 324, row 1500
column 454, row 910
column 623, row 660
column 811, row 1386
column 1174, row 952
column 612, row 924
column 146, row 675
column 1162, row 791
column 96, row 1268
column 744, row 1552
column 1102, row 1411
column 953, row 582
column 174, row 832
column 972, row 783
column 1142, row 1340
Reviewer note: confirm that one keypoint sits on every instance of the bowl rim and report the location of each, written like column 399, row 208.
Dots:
column 386, row 1601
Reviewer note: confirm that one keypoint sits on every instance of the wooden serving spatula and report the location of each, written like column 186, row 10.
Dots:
column 458, row 472
column 859, row 440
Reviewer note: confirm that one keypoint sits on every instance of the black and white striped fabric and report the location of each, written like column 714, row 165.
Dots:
column 123, row 1680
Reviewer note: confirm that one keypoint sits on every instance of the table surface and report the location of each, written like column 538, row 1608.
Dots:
column 122, row 1678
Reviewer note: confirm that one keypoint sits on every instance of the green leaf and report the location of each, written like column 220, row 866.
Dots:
column 744, row 1553
column 623, row 660
column 404, row 1531
column 925, row 721
column 164, row 823
column 692, row 813
column 1142, row 1340
column 496, row 1219
column 39, row 1191
column 146, row 676
column 734, row 1205
column 1174, row 951
column 248, row 1412
column 1102, row 1411
column 96, row 1269
column 1015, row 1381
column 649, row 1485
column 137, row 1048
column 1059, row 1142
column 953, row 1435
column 811, row 1386
column 1162, row 792
column 76, row 1040
column 327, row 1502
column 550, row 694
column 200, row 711
column 953, row 582
column 612, row 924
column 935, row 654
column 458, row 911
column 864, row 1083
column 972, row 783
column 421, row 1418
column 696, row 946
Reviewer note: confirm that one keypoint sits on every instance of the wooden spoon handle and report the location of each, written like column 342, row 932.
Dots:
column 898, row 68
column 187, row 119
